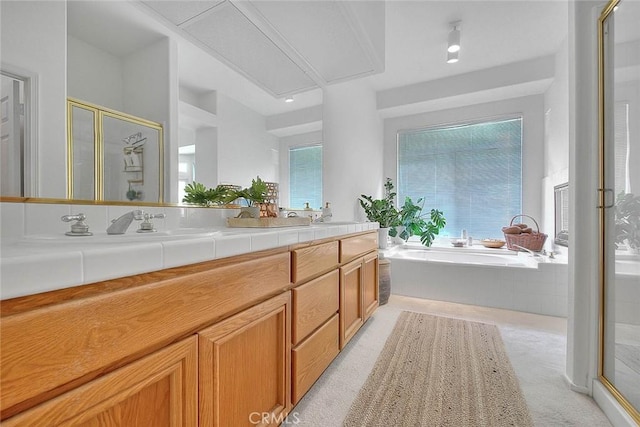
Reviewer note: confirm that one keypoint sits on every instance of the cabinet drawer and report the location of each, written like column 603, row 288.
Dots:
column 312, row 356
column 310, row 261
column 353, row 247
column 313, row 304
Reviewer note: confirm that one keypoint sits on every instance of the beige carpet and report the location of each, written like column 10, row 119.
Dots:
column 438, row 371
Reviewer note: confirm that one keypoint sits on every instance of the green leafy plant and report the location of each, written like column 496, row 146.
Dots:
column 627, row 220
column 198, row 194
column 415, row 223
column 382, row 211
column 253, row 195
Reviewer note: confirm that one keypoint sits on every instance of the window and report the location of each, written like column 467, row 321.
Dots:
column 305, row 176
column 561, row 202
column 471, row 172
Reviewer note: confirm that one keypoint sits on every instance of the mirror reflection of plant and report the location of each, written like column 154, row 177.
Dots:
column 415, row 223
column 198, row 194
column 627, row 219
column 382, row 211
column 253, row 195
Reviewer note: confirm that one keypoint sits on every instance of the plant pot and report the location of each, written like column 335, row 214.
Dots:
column 383, row 237
column 253, row 211
column 384, row 281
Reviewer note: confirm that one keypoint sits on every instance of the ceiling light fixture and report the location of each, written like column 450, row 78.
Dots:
column 454, row 38
column 288, row 99
column 452, row 57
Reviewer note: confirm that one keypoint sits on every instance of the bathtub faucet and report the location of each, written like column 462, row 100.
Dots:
column 534, row 254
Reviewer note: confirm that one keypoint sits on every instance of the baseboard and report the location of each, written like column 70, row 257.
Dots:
column 576, row 388
column 610, row 406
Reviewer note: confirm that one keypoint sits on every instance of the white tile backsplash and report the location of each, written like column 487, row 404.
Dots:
column 12, row 219
column 41, row 218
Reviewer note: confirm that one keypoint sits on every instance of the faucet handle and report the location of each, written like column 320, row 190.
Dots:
column 152, row 216
column 76, row 217
column 79, row 228
column 146, row 226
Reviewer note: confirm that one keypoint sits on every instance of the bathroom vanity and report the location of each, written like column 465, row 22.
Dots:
column 231, row 341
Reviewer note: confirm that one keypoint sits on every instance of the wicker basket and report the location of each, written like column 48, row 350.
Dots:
column 533, row 241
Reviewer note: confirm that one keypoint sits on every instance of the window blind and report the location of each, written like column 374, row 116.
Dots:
column 470, row 172
column 305, row 176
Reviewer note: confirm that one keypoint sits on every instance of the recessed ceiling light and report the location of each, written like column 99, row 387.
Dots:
column 288, row 99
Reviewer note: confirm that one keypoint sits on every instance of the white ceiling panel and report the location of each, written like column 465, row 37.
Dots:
column 180, row 11
column 321, row 33
column 233, row 37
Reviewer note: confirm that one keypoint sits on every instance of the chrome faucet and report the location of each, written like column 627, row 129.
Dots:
column 120, row 225
column 527, row 250
column 79, row 228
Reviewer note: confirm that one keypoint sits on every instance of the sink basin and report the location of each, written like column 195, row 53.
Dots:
column 103, row 238
column 330, row 223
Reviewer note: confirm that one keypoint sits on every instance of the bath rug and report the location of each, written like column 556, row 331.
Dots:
column 629, row 355
column 437, row 371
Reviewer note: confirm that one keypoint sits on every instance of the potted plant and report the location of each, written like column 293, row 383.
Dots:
column 253, row 196
column 382, row 211
column 627, row 219
column 198, row 194
column 412, row 222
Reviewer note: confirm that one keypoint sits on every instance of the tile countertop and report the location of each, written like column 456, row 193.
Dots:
column 38, row 263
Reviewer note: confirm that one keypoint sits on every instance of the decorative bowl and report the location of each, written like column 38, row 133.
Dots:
column 458, row 243
column 492, row 243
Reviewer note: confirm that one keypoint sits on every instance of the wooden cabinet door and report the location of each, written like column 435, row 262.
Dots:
column 245, row 367
column 351, row 313
column 370, row 284
column 160, row 389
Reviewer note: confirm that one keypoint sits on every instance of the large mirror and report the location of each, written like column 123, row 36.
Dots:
column 619, row 37
column 218, row 125
column 113, row 156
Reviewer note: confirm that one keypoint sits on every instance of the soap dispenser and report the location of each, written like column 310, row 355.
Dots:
column 326, row 213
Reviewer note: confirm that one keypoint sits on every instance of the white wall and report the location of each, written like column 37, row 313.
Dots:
column 94, row 75
column 151, row 91
column 531, row 108
column 556, row 139
column 41, row 48
column 206, row 140
column 352, row 148
column 300, row 140
column 582, row 325
column 245, row 149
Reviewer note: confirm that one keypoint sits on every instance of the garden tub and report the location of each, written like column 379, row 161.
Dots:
column 485, row 277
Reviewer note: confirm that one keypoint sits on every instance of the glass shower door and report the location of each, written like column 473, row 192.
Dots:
column 620, row 202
